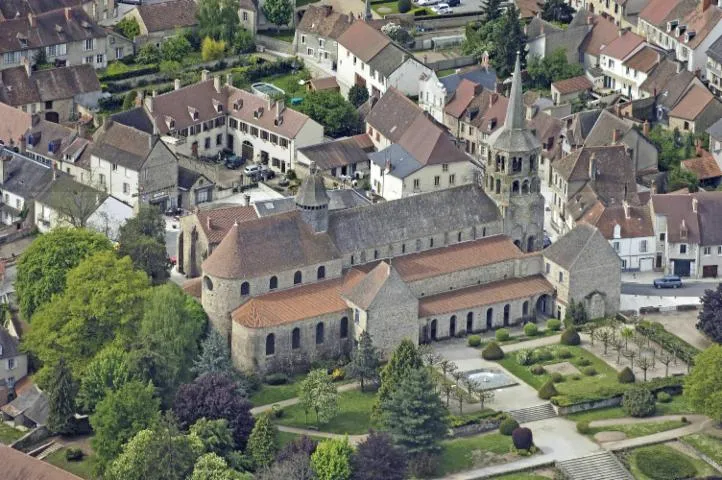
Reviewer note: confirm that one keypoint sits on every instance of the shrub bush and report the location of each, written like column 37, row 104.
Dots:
column 537, row 370
column 583, row 362
column 531, row 330
column 576, row 376
column 664, row 397
column 583, row 427
column 525, row 357
column 543, row 355
column 74, row 454
column 502, row 335
column 508, row 426
column 638, row 402
column 421, row 12
column 522, row 438
column 547, row 391
column 492, row 352
column 626, row 376
column 403, row 5
column 557, row 377
column 338, row 374
column 474, row 340
column 554, row 325
column 276, row 411
column 664, row 464
column 570, row 337
column 589, row 371
column 564, row 353
column 276, row 379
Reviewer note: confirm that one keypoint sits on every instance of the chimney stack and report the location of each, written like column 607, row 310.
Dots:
column 247, row 200
column 217, row 83
column 28, row 67
column 592, row 168
column 68, row 16
column 154, row 93
column 645, row 128
column 654, row 187
column 32, row 20
column 694, row 204
column 208, row 223
column 704, row 5
column 280, row 107
column 176, row 84
column 625, row 205
column 615, row 136
column 5, row 167
column 698, row 147
column 204, row 75
column 229, row 79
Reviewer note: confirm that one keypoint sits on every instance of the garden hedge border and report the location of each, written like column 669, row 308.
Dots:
column 658, row 334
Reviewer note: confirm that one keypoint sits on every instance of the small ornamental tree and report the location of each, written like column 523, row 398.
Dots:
column 570, row 337
column 263, row 442
column 626, row 375
column 507, row 426
column 319, row 395
column 365, row 361
column 212, row 49
column 403, row 5
column 492, row 352
column 638, row 402
column 522, row 438
column 378, row 458
column 404, row 359
column 332, row 460
column 358, row 95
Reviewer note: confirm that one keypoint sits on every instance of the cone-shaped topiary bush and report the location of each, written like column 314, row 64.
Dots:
column 492, row 352
column 547, row 391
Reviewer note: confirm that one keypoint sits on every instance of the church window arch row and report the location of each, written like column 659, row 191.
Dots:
column 515, row 187
column 525, row 187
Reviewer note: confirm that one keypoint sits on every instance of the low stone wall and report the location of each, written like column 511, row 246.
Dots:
column 593, row 405
column 449, row 63
column 275, row 44
column 30, row 439
column 475, row 428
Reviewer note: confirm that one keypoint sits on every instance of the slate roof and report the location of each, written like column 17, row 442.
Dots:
column 10, row 9
column 486, row 294
column 580, row 244
column 401, row 163
column 216, row 222
column 135, row 117
column 715, row 50
column 323, row 21
column 77, row 28
column 65, row 194
column 658, row 78
column 602, row 132
column 571, row 85
column 715, row 130
column 486, row 77
column 393, row 114
column 339, row 199
column 388, row 59
column 363, row 40
column 17, row 465
column 31, row 403
column 187, row 177
column 124, row 145
column 17, row 88
column 26, row 178
column 335, row 154
column 9, row 345
column 312, row 191
column 159, row 17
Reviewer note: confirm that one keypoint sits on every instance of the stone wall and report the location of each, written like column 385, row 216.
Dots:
column 30, row 439
column 485, row 425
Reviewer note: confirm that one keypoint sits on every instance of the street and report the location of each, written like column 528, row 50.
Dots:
column 689, row 289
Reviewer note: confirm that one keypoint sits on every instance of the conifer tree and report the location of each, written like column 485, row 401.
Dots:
column 365, row 362
column 263, row 442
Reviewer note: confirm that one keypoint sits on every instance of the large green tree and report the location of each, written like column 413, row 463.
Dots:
column 218, row 19
column 319, row 395
column 492, row 10
column 703, row 388
column 263, row 442
column 557, row 11
column 552, row 68
column 215, row 356
column 215, row 435
column 61, row 399
column 42, row 268
column 710, row 317
column 168, row 337
column 337, row 115
column 104, row 305
column 404, row 360
column 160, row 453
column 278, row 12
column 511, row 40
column 107, row 371
column 212, row 467
column 332, row 460
column 142, row 238
column 414, row 414
column 377, row 457
column 365, row 361
column 120, row 416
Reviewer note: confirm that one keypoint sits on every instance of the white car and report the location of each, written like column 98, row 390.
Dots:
column 252, row 169
column 442, row 9
column 426, row 3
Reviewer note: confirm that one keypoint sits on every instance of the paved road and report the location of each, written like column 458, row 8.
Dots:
column 690, row 289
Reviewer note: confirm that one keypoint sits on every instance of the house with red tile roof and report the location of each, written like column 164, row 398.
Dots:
column 696, row 111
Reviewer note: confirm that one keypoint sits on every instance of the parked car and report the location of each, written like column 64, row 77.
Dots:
column 669, row 281
column 251, row 170
column 426, row 3
column 233, row 162
column 442, row 9
column 453, row 3
column 547, row 242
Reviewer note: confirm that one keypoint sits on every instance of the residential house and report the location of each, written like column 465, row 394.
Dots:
column 696, row 111
column 30, row 409
column 576, row 128
column 602, row 33
column 342, row 159
column 545, row 38
column 436, row 161
column 583, row 267
column 529, row 8
column 686, row 27
column 23, row 179
column 714, row 66
column 715, row 140
column 571, row 89
column 689, row 235
column 618, row 76
column 194, row 188
column 161, row 21
column 102, row 11
column 667, row 84
column 13, row 364
column 68, row 37
column 58, row 94
column 248, row 15
column 435, row 93
column 369, row 58
column 705, row 167
column 133, row 166
column 210, row 116
column 624, row 13
column 317, row 34
column 21, row 466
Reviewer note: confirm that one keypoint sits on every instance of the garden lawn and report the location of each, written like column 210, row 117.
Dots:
column 288, row 82
column 269, row 394
column 660, row 455
column 710, row 446
column 522, row 338
column 570, row 391
column 678, row 406
column 634, row 430
column 285, row 438
column 445, row 73
column 82, row 468
column 354, row 416
column 9, row 434
column 456, row 455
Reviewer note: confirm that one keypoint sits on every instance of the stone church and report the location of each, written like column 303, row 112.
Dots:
column 304, row 284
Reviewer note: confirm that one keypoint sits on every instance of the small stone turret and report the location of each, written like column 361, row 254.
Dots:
column 312, row 200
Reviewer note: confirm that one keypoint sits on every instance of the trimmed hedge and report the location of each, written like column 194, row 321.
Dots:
column 508, row 426
column 149, row 70
column 589, row 371
column 554, row 325
column 276, row 379
column 502, row 335
column 664, row 397
column 570, row 337
column 522, row 438
column 537, row 370
column 664, row 463
column 583, row 427
column 547, row 391
column 531, row 330
column 626, row 376
column 639, row 402
column 492, row 352
column 474, row 340
column 668, row 341
column 456, row 421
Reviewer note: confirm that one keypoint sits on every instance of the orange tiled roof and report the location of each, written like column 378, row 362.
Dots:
column 217, row 222
column 692, row 104
column 193, row 287
column 478, row 295
column 574, row 84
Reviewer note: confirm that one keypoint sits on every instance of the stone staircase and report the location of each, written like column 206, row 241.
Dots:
column 597, row 466
column 532, row 414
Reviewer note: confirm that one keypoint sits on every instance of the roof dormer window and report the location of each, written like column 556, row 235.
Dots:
column 238, row 104
column 170, row 122
column 218, row 106
column 193, row 113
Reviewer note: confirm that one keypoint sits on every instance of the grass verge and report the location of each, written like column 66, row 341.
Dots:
column 661, row 462
column 9, row 434
column 354, row 416
column 458, row 454
column 707, row 444
column 678, row 406
column 634, row 430
column 82, row 468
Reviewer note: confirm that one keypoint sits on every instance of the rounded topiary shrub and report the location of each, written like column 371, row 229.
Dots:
column 626, row 375
column 543, row 355
column 554, row 325
column 74, row 454
column 557, row 377
column 522, row 438
column 474, row 340
column 664, row 397
column 507, row 426
column 525, row 357
column 564, row 353
column 531, row 330
column 547, row 391
column 583, row 362
column 403, row 5
column 638, row 402
column 576, row 376
column 663, row 463
column 570, row 337
column 589, row 371
column 502, row 335
column 583, row 427
column 537, row 370
column 492, row 352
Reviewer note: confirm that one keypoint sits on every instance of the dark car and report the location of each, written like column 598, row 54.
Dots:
column 670, row 281
column 233, row 162
column 453, row 3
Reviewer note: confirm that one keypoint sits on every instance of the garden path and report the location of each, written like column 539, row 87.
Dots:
column 630, row 421
column 352, row 439
column 293, row 401
column 699, row 423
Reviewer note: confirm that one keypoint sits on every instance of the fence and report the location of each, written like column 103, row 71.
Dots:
column 449, row 63
column 275, row 44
